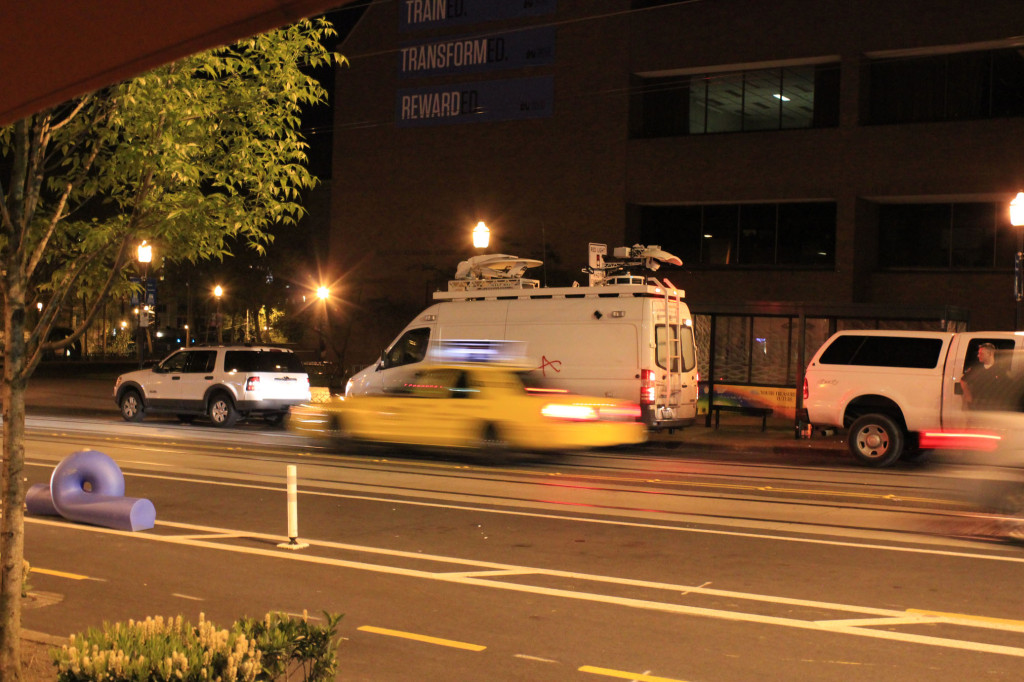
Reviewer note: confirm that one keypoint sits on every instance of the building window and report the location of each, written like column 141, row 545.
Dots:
column 947, row 87
column 781, row 98
column 801, row 235
column 961, row 236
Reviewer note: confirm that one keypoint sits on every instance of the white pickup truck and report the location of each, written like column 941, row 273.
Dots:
column 886, row 387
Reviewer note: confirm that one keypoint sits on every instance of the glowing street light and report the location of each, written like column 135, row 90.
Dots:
column 1017, row 220
column 481, row 236
column 218, row 291
column 1017, row 210
column 322, row 293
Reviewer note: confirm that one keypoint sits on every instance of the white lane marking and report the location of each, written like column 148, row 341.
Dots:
column 700, row 587
column 185, row 596
column 614, row 522
column 872, row 622
column 534, row 658
column 489, row 574
column 304, row 615
column 839, row 627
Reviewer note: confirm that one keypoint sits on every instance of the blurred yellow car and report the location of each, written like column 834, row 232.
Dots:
column 479, row 407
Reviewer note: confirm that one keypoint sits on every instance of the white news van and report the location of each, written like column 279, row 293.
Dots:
column 624, row 337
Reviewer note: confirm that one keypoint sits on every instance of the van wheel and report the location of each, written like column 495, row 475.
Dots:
column 876, row 440
column 131, row 406
column 222, row 411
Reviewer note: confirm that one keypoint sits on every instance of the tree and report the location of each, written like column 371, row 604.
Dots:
column 188, row 156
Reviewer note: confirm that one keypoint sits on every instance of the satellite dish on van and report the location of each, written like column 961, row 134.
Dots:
column 655, row 252
column 618, row 270
column 495, row 266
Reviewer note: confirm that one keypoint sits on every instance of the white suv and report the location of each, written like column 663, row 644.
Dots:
column 225, row 383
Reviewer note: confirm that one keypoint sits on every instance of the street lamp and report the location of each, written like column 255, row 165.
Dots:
column 481, row 236
column 1017, row 220
column 218, row 291
column 322, row 293
column 144, row 254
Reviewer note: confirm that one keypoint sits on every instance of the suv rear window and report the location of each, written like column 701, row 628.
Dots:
column 883, row 351
column 247, row 361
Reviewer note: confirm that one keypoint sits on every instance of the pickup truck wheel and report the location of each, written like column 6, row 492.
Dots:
column 876, row 440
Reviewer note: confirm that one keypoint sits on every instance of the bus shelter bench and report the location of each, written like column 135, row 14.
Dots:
column 762, row 412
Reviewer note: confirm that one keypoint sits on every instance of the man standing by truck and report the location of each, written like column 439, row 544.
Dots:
column 985, row 382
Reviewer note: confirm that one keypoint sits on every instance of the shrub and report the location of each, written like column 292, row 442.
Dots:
column 159, row 650
column 291, row 644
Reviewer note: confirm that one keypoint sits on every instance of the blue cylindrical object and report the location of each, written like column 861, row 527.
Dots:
column 88, row 486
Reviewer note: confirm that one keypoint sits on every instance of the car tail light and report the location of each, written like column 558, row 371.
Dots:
column 982, row 441
column 572, row 412
column 806, row 392
column 648, row 389
column 252, row 384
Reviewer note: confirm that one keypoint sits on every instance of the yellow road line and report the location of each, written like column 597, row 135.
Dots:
column 624, row 675
column 422, row 638
column 62, row 574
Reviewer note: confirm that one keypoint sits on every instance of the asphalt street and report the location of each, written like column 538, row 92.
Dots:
column 726, row 554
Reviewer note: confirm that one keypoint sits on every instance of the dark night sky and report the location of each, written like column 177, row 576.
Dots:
column 318, row 123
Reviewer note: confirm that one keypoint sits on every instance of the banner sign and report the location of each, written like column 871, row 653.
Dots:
column 150, row 298
column 781, row 399
column 414, row 14
column 501, row 100
column 510, row 50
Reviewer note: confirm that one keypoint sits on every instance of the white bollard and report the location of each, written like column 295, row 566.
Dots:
column 293, row 512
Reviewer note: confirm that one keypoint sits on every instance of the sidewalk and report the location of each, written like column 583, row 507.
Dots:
column 738, row 433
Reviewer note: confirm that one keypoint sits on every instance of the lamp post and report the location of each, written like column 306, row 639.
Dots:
column 1017, row 220
column 322, row 293
column 481, row 236
column 145, row 257
column 218, row 291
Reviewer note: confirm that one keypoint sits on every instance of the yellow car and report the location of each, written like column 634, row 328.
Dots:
column 480, row 407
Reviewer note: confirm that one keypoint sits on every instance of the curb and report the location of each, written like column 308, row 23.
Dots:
column 43, row 638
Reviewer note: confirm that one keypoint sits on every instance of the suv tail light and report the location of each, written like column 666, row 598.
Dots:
column 252, row 384
column 806, row 392
column 648, row 389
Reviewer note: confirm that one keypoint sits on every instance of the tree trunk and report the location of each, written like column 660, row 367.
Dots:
column 12, row 534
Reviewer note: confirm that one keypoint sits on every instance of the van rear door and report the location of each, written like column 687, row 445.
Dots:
column 669, row 387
